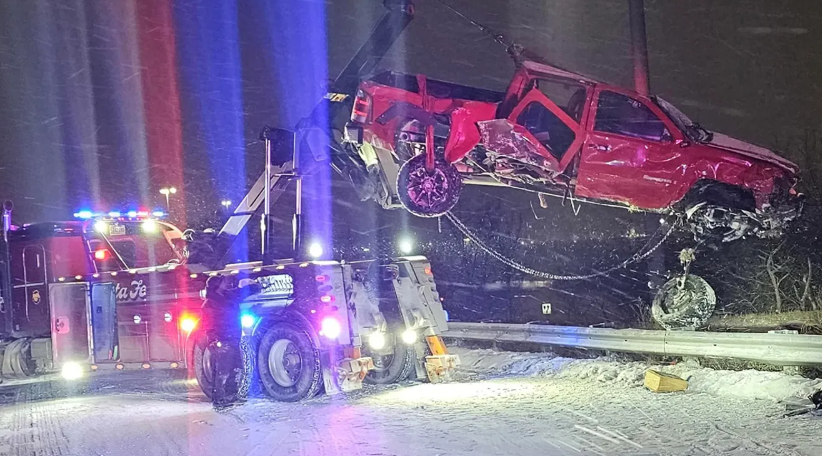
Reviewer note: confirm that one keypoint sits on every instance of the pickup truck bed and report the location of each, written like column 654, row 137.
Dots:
column 437, row 88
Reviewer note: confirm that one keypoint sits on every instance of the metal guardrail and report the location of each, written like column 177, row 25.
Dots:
column 774, row 349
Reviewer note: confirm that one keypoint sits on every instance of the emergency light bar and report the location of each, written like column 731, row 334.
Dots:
column 138, row 215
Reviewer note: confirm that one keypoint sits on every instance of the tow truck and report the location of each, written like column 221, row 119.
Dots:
column 75, row 295
column 316, row 324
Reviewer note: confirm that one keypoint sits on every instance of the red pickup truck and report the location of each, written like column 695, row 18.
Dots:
column 559, row 133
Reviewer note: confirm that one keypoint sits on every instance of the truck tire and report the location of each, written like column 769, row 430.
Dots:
column 202, row 365
column 685, row 308
column 427, row 193
column 288, row 363
column 391, row 368
column 16, row 361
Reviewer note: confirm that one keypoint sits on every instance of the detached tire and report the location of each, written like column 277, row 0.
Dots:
column 686, row 308
column 427, row 193
column 391, row 368
column 202, row 366
column 289, row 363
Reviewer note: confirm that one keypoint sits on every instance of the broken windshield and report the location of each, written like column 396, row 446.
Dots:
column 692, row 130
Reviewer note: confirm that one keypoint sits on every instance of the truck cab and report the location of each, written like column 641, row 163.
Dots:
column 71, row 288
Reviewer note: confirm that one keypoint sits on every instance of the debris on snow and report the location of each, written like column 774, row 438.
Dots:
column 660, row 382
column 747, row 384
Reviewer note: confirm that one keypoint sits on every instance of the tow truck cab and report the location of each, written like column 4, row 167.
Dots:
column 71, row 297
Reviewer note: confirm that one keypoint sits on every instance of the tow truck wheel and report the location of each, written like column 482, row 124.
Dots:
column 428, row 193
column 391, row 367
column 203, row 367
column 289, row 364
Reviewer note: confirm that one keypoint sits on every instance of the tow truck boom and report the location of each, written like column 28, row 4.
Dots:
column 313, row 137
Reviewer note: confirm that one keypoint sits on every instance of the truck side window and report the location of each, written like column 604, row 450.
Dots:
column 623, row 115
column 568, row 97
column 547, row 128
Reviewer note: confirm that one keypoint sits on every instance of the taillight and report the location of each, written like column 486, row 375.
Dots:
column 101, row 254
column 362, row 107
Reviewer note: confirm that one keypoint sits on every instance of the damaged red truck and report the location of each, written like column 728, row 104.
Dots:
column 559, row 133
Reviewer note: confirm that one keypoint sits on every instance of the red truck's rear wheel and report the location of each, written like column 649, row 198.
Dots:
column 428, row 193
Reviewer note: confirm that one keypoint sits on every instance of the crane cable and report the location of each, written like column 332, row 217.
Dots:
column 638, row 256
column 498, row 37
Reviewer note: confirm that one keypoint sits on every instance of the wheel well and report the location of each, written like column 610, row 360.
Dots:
column 720, row 193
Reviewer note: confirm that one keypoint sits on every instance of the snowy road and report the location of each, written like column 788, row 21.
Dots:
column 500, row 405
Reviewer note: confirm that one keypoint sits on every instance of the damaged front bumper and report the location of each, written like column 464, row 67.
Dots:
column 728, row 224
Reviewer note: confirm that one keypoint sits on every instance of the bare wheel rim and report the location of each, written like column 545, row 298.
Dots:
column 284, row 363
column 427, row 188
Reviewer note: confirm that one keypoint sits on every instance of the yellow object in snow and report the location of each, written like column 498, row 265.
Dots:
column 660, row 382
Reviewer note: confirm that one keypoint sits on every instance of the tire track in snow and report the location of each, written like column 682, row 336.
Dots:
column 35, row 431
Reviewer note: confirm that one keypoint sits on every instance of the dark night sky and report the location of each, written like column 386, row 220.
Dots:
column 70, row 78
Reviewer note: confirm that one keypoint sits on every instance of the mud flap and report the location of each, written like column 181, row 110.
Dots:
column 346, row 374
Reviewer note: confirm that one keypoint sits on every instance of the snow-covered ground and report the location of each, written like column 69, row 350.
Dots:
column 498, row 404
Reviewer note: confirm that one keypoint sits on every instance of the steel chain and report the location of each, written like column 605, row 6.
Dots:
column 547, row 275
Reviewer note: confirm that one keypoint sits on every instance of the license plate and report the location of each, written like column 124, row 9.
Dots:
column 115, row 230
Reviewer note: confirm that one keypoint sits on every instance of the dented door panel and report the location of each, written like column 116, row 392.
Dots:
column 640, row 173
column 647, row 173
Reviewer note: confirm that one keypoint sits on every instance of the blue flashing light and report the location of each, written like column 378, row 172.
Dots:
column 247, row 320
column 132, row 214
column 158, row 214
column 114, row 214
column 84, row 214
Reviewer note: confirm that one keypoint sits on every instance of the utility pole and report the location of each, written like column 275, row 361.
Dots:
column 655, row 264
column 639, row 46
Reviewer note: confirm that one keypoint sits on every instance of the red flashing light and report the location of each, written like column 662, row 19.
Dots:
column 142, row 213
column 327, row 299
column 101, row 254
column 321, row 278
column 428, row 271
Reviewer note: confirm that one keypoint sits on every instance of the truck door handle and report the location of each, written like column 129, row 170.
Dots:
column 600, row 147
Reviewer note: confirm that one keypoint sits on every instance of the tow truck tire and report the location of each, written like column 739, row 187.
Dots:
column 202, row 365
column 289, row 363
column 391, row 368
column 428, row 193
